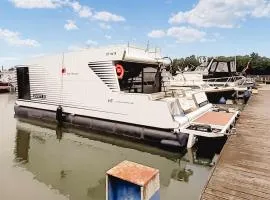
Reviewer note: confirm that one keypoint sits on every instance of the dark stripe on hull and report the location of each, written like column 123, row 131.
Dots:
column 107, row 126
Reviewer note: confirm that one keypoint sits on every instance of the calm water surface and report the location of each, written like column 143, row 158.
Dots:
column 41, row 162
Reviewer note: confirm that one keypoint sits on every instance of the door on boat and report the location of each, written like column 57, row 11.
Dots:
column 23, row 83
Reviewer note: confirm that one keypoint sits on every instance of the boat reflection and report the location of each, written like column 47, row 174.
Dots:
column 75, row 165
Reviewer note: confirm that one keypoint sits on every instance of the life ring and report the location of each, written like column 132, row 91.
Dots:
column 119, row 71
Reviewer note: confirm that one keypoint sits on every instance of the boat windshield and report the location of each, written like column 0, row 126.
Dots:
column 223, row 66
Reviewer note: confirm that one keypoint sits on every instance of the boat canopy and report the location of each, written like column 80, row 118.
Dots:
column 219, row 68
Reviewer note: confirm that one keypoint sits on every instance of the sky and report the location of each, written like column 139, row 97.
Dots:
column 32, row 28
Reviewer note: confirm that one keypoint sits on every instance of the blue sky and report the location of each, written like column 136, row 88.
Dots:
column 29, row 28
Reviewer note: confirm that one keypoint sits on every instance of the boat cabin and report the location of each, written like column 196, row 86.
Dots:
column 219, row 69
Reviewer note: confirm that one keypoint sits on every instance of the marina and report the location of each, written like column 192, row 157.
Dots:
column 177, row 127
column 134, row 100
column 242, row 171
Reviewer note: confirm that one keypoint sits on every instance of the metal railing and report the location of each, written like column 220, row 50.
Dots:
column 260, row 78
column 224, row 81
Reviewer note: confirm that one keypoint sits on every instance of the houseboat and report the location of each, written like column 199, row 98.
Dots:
column 117, row 90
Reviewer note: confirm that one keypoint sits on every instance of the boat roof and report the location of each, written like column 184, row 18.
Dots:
column 125, row 53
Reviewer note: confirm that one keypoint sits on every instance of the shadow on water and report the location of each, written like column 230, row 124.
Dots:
column 76, row 164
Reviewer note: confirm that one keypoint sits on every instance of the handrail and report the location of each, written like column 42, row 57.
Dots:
column 237, row 79
column 224, row 78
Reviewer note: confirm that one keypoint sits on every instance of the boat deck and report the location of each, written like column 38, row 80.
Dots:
column 215, row 118
column 243, row 169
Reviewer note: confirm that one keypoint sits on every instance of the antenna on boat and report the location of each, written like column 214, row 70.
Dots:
column 128, row 46
column 147, row 46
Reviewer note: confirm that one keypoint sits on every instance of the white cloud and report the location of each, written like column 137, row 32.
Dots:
column 107, row 17
column 70, row 25
column 75, row 48
column 76, row 6
column 85, row 12
column 186, row 34
column 13, row 38
column 29, row 4
column 37, row 55
column 87, row 44
column 157, row 34
column 262, row 11
column 224, row 14
column 6, row 59
column 82, row 10
column 105, row 26
column 108, row 37
column 91, row 43
column 181, row 34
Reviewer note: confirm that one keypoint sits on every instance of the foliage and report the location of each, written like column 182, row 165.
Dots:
column 258, row 64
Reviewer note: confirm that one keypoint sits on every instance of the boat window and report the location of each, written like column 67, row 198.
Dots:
column 139, row 78
column 222, row 67
column 213, row 67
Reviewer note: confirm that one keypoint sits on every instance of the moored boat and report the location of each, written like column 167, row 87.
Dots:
column 218, row 79
column 117, row 90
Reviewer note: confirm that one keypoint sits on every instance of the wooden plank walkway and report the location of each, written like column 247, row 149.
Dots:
column 243, row 169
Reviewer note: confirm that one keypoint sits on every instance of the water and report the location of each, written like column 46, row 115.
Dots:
column 43, row 162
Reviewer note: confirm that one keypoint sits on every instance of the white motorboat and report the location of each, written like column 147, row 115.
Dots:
column 7, row 80
column 116, row 89
column 218, row 79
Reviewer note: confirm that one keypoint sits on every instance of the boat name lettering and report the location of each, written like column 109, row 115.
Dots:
column 72, row 73
column 110, row 53
column 39, row 96
column 113, row 101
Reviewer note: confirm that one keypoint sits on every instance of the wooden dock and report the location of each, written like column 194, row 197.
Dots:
column 243, row 169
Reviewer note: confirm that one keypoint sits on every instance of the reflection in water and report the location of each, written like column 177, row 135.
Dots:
column 76, row 166
column 182, row 173
column 59, row 132
column 22, row 146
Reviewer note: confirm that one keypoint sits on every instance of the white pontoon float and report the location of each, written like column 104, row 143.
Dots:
column 116, row 90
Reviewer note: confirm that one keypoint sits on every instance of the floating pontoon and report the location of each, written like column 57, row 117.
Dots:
column 116, row 90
